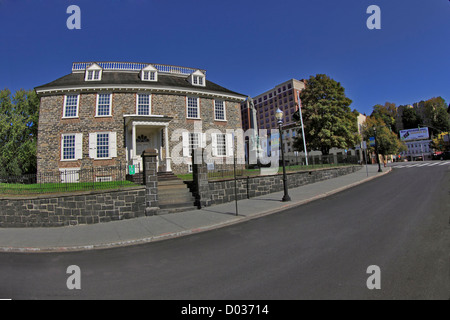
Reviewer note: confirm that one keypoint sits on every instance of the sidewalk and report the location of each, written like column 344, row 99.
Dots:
column 154, row 228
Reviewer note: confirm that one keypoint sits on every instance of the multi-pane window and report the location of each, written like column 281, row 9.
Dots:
column 68, row 147
column 221, row 145
column 192, row 107
column 197, row 80
column 93, row 75
column 102, row 145
column 219, row 109
column 143, row 105
column 71, row 106
column 193, row 141
column 149, row 75
column 104, row 104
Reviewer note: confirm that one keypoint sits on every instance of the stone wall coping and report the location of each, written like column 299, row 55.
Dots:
column 280, row 174
column 69, row 194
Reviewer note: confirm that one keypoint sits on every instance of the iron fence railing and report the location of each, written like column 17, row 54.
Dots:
column 292, row 163
column 67, row 180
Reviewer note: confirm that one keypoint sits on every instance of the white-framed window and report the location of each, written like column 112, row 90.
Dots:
column 192, row 141
column 149, row 73
column 103, row 145
column 192, row 108
column 71, row 103
column 71, row 146
column 93, row 73
column 219, row 110
column 103, row 179
column 197, row 78
column 222, row 144
column 103, row 105
column 143, row 107
column 69, row 175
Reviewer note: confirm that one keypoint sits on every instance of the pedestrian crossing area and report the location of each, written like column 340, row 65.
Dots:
column 422, row 164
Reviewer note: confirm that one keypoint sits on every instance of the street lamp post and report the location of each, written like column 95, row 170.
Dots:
column 279, row 116
column 376, row 150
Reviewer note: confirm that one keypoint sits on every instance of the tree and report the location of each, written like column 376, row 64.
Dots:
column 329, row 122
column 388, row 141
column 387, row 114
column 18, row 132
column 411, row 119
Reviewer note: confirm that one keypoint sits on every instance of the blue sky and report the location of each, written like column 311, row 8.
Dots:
column 245, row 46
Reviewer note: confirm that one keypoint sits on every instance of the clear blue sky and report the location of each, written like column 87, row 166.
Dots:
column 245, row 46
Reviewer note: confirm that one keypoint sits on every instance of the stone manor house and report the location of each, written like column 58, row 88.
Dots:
column 107, row 113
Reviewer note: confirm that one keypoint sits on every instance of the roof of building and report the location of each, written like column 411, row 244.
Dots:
column 131, row 79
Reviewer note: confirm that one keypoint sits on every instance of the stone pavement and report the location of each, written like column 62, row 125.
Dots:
column 160, row 227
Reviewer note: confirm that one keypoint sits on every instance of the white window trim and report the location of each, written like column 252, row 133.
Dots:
column 110, row 105
column 112, row 145
column 224, row 111
column 155, row 73
column 198, row 108
column 187, row 142
column 149, row 103
column 78, row 146
column 74, row 172
column 195, row 79
column 65, row 105
column 228, row 145
column 93, row 68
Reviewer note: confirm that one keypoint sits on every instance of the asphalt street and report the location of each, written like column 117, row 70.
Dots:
column 321, row 250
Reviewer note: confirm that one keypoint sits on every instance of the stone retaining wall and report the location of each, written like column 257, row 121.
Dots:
column 223, row 191
column 72, row 209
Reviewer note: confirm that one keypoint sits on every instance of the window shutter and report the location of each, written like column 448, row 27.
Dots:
column 186, row 152
column 230, row 144
column 214, row 144
column 203, row 140
column 78, row 146
column 93, row 145
column 113, row 145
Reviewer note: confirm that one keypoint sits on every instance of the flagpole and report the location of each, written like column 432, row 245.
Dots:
column 303, row 129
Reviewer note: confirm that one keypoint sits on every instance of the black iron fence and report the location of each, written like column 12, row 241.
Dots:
column 292, row 163
column 67, row 180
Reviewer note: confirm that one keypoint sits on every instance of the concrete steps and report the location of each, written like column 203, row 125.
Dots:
column 173, row 194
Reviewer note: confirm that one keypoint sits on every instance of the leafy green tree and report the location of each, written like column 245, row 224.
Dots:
column 436, row 110
column 329, row 122
column 387, row 114
column 18, row 132
column 388, row 141
column 411, row 119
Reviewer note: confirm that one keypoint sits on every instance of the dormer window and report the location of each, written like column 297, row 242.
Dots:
column 149, row 73
column 93, row 73
column 198, row 78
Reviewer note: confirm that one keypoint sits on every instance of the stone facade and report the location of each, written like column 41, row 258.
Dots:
column 73, row 209
column 170, row 104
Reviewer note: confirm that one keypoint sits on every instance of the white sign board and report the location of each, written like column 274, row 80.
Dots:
column 414, row 134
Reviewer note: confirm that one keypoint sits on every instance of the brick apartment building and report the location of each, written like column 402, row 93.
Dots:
column 107, row 113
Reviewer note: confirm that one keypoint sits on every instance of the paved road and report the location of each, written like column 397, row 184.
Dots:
column 321, row 250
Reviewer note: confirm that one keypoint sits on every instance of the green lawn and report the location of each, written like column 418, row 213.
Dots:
column 37, row 188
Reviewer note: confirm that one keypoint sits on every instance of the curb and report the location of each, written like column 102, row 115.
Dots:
column 173, row 235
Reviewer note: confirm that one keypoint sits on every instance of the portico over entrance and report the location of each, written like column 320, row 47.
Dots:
column 144, row 132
